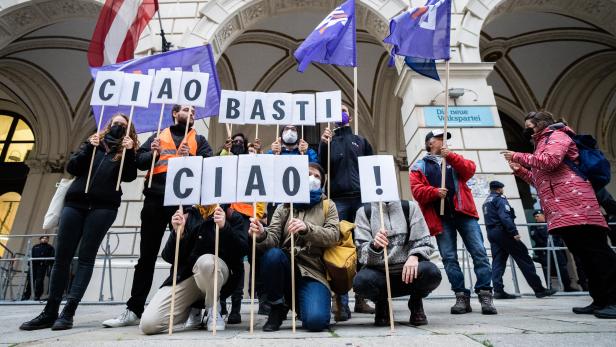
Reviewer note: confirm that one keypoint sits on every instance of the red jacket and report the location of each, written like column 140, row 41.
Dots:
column 566, row 198
column 426, row 195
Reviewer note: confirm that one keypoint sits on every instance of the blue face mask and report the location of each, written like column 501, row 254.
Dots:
column 345, row 119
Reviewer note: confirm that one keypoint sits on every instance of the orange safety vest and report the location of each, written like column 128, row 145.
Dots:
column 246, row 209
column 168, row 149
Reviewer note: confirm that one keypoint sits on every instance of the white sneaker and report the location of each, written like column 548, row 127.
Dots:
column 219, row 321
column 127, row 318
column 195, row 319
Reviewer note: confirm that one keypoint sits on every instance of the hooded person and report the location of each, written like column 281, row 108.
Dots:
column 289, row 143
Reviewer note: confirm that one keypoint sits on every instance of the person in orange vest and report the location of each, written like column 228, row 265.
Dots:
column 155, row 217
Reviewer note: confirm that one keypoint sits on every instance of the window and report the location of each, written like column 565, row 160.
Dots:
column 16, row 139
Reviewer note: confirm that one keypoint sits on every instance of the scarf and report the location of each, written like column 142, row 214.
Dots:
column 315, row 198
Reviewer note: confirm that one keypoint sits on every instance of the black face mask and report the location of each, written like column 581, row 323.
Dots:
column 528, row 133
column 117, row 131
column 237, row 149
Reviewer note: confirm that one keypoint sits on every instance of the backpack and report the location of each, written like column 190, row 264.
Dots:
column 341, row 260
column 593, row 165
column 405, row 209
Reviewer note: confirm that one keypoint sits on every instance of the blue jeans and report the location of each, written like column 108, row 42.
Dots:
column 312, row 296
column 473, row 240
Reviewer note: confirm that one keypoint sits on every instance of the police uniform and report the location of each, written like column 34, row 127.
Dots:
column 499, row 218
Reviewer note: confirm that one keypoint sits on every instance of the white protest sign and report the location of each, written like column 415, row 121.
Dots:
column 183, row 185
column 107, row 87
column 303, row 109
column 136, row 90
column 231, row 107
column 254, row 108
column 279, row 108
column 166, row 87
column 255, row 178
column 193, row 90
column 293, row 171
column 377, row 178
column 219, row 180
column 329, row 107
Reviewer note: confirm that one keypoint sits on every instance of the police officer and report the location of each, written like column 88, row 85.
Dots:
column 504, row 241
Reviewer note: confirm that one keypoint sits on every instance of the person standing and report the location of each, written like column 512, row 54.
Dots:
column 460, row 217
column 40, row 268
column 155, row 217
column 505, row 240
column 345, row 148
column 570, row 206
column 86, row 217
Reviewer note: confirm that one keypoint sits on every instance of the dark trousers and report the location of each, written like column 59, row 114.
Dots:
column 154, row 221
column 561, row 257
column 371, row 282
column 504, row 245
column 589, row 244
column 313, row 297
column 40, row 271
column 81, row 228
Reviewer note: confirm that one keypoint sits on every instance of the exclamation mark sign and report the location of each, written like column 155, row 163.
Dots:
column 218, row 182
column 377, row 179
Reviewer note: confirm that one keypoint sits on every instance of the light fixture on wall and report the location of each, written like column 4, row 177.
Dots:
column 455, row 93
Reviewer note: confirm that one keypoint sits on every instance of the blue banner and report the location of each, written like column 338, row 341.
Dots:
column 459, row 116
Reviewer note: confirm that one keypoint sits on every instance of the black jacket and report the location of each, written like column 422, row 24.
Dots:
column 105, row 171
column 144, row 160
column 499, row 215
column 43, row 250
column 199, row 237
column 346, row 147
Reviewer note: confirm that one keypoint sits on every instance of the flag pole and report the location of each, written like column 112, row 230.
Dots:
column 355, row 106
column 389, row 303
column 444, row 162
column 292, row 276
column 130, row 122
column 329, row 160
column 98, row 130
column 160, row 122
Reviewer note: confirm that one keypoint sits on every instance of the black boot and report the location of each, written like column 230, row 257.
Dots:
column 590, row 309
column 277, row 315
column 65, row 321
column 45, row 319
column 418, row 316
column 381, row 313
column 235, row 317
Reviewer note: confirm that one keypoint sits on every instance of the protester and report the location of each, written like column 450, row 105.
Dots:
column 155, row 217
column 315, row 228
column 570, row 206
column 345, row 148
column 505, row 240
column 460, row 215
column 539, row 237
column 195, row 279
column 86, row 217
column 407, row 239
column 40, row 268
column 289, row 142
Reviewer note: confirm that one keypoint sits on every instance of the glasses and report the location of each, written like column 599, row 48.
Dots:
column 238, row 142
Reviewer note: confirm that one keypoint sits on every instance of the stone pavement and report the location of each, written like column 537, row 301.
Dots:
column 524, row 321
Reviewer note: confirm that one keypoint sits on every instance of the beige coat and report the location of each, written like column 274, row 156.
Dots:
column 322, row 233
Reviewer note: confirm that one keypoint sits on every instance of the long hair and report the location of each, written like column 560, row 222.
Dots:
column 541, row 119
column 132, row 134
column 243, row 139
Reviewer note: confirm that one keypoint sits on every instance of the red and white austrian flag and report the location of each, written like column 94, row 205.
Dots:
column 117, row 31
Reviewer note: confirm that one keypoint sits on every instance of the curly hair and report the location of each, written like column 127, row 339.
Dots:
column 132, row 134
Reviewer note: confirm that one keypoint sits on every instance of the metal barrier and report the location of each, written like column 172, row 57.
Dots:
column 10, row 273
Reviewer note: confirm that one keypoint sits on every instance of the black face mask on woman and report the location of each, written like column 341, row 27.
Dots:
column 528, row 133
column 117, row 131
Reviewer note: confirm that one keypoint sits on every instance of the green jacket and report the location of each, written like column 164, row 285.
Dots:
column 322, row 233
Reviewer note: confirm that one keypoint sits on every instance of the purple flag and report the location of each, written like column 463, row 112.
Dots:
column 199, row 59
column 422, row 32
column 332, row 41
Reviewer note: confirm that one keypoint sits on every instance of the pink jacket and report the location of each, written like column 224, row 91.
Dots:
column 566, row 198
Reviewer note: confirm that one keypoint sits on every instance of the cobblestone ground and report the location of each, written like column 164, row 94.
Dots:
column 522, row 322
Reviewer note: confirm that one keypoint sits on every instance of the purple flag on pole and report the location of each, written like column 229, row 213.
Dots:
column 422, row 32
column 332, row 41
column 198, row 59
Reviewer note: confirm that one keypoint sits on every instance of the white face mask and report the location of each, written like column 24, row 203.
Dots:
column 289, row 137
column 314, row 183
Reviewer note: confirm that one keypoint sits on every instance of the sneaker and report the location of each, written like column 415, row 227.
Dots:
column 195, row 319
column 546, row 292
column 503, row 295
column 590, row 309
column 487, row 304
column 127, row 318
column 463, row 304
column 219, row 322
column 608, row 312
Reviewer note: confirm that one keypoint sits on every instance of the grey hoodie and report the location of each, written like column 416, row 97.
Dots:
column 418, row 244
